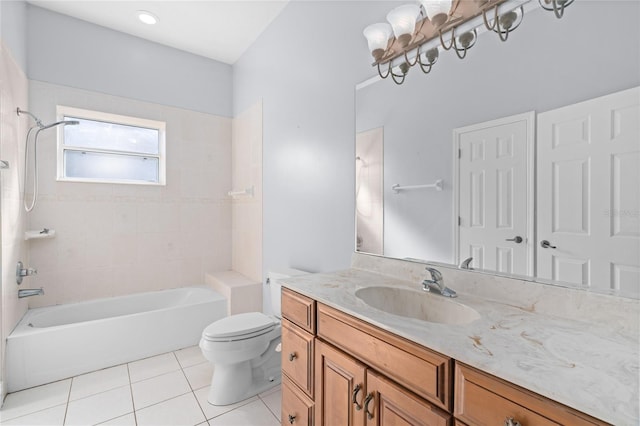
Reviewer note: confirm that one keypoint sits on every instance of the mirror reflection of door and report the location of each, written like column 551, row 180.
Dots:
column 588, row 198
column 494, row 196
column 369, row 191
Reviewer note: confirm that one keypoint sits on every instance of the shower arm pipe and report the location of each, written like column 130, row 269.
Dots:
column 36, row 119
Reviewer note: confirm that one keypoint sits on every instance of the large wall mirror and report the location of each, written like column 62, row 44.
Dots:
column 415, row 199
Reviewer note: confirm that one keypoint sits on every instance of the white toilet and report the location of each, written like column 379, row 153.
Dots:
column 245, row 349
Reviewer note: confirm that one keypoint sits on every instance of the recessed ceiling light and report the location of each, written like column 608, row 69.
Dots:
column 147, row 17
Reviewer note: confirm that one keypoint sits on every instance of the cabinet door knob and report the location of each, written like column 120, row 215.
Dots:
column 367, row 400
column 353, row 398
column 292, row 356
column 517, row 239
column 510, row 421
column 292, row 418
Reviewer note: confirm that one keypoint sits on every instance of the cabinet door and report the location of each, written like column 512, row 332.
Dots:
column 297, row 356
column 340, row 388
column 297, row 408
column 387, row 404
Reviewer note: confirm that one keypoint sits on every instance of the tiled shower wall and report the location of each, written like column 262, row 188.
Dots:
column 247, row 210
column 13, row 94
column 116, row 239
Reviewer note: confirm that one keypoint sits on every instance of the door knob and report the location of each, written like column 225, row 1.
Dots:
column 293, row 356
column 517, row 239
column 546, row 244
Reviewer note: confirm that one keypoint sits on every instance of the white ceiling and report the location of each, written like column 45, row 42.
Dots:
column 217, row 29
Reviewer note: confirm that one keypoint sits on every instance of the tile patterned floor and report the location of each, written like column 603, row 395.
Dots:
column 168, row 389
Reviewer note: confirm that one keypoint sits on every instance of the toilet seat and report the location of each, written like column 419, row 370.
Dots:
column 239, row 327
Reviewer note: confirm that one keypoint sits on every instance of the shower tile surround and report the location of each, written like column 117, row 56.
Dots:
column 168, row 389
column 116, row 239
column 13, row 93
column 576, row 347
column 246, row 212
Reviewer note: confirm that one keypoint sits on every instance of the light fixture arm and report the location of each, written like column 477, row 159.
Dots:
column 385, row 75
column 395, row 78
column 415, row 61
column 559, row 12
column 432, row 56
column 558, row 6
column 499, row 30
column 453, row 39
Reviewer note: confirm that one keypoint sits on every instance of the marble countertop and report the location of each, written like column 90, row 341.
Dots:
column 590, row 366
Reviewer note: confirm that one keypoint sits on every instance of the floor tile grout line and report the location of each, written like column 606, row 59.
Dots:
column 34, row 412
column 133, row 402
column 193, row 392
column 269, row 408
column 66, row 408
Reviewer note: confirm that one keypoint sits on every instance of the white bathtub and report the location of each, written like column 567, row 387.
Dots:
column 57, row 342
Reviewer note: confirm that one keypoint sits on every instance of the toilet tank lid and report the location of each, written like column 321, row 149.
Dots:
column 239, row 324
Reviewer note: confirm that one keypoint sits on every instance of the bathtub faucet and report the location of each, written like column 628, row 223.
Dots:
column 28, row 292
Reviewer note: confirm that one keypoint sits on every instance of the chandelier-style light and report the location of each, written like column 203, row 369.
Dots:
column 446, row 24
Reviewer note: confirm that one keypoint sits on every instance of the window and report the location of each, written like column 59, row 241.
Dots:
column 110, row 148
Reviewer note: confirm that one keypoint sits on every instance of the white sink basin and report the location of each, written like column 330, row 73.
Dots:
column 417, row 304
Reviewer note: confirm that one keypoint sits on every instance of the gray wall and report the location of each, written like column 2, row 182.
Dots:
column 545, row 64
column 71, row 52
column 13, row 29
column 305, row 66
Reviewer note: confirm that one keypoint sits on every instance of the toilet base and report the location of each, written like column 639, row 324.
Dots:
column 237, row 382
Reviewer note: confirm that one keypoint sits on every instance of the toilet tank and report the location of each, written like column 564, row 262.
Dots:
column 274, row 286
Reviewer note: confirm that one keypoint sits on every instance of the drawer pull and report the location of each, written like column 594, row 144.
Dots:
column 367, row 400
column 510, row 421
column 293, row 356
column 355, row 394
column 292, row 419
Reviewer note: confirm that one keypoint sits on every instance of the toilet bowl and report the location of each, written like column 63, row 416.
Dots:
column 245, row 350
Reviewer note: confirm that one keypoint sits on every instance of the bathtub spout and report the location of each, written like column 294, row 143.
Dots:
column 27, row 292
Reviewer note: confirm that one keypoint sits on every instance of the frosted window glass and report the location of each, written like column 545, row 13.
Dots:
column 94, row 165
column 111, row 136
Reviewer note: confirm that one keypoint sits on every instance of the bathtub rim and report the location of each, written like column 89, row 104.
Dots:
column 22, row 327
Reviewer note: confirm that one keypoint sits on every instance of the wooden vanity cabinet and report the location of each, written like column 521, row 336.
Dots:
column 298, row 349
column 482, row 399
column 341, row 371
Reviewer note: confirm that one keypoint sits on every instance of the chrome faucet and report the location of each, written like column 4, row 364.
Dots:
column 465, row 264
column 27, row 292
column 22, row 272
column 436, row 284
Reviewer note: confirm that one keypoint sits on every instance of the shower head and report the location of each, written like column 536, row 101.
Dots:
column 63, row 122
column 42, row 126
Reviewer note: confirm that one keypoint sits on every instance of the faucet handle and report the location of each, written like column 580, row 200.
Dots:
column 435, row 274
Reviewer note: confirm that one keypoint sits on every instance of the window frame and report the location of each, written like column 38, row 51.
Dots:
column 62, row 111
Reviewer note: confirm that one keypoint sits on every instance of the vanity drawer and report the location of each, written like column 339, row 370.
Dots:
column 297, row 408
column 426, row 373
column 481, row 399
column 299, row 309
column 297, row 356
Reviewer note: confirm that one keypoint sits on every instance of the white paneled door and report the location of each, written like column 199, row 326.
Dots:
column 494, row 195
column 588, row 193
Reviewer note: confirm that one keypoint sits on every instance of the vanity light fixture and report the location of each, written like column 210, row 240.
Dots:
column 446, row 24
column 557, row 6
column 147, row 17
